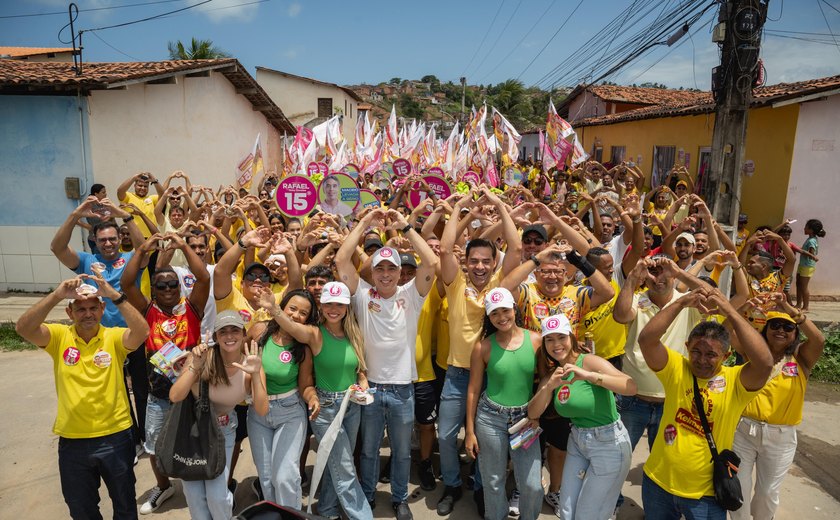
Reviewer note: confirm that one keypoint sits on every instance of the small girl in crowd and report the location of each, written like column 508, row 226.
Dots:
column 808, row 262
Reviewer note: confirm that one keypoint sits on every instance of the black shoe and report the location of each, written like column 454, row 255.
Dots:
column 385, row 472
column 232, row 485
column 402, row 511
column 478, row 496
column 447, row 501
column 256, row 487
column 372, row 504
column 427, row 475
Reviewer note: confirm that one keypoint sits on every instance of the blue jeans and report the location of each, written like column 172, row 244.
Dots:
column 156, row 411
column 597, row 462
column 639, row 415
column 451, row 415
column 392, row 405
column 276, row 444
column 83, row 463
column 339, row 482
column 491, row 430
column 211, row 499
column 661, row 505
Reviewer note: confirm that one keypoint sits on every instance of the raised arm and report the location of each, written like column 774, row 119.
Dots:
column 655, row 353
column 790, row 256
column 128, row 280
column 449, row 266
column 344, row 256
column 60, row 245
column 306, row 334
column 122, row 189
column 624, row 311
column 30, row 326
column 222, row 284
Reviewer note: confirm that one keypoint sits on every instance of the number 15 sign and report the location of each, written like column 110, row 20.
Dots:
column 296, row 196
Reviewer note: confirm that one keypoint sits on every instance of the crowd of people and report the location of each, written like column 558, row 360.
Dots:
column 555, row 322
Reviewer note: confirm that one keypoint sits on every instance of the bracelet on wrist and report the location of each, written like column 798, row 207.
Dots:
column 121, row 298
column 406, row 229
column 241, row 244
column 128, row 219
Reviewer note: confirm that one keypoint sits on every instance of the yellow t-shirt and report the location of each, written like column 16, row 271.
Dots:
column 235, row 301
column 442, row 353
column 680, row 461
column 466, row 316
column 427, row 340
column 782, row 398
column 773, row 282
column 146, row 205
column 609, row 335
column 92, row 401
column 535, row 306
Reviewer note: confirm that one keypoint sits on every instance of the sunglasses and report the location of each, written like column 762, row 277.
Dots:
column 171, row 284
column 263, row 277
column 536, row 241
column 781, row 324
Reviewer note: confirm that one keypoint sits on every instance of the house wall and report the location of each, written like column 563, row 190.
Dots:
column 198, row 125
column 298, row 98
column 770, row 138
column 815, row 185
column 42, row 141
column 586, row 105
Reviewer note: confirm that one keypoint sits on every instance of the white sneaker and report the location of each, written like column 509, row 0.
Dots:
column 156, row 498
column 553, row 499
column 513, row 505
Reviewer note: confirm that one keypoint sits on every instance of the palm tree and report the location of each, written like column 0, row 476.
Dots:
column 511, row 100
column 198, row 50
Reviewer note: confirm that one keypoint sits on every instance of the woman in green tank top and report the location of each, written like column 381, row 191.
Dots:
column 277, row 439
column 333, row 361
column 507, row 356
column 580, row 386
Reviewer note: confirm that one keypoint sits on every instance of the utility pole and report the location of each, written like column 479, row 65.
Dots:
column 739, row 31
column 463, row 97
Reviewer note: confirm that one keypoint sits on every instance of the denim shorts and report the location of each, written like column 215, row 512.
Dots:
column 156, row 411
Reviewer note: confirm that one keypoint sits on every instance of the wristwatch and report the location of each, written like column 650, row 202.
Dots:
column 534, row 259
column 128, row 219
column 121, row 299
column 406, row 229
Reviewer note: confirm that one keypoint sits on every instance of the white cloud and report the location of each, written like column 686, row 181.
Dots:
column 227, row 10
column 294, row 9
column 292, row 53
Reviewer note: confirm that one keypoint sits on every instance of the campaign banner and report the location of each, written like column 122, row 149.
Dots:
column 296, row 195
column 512, row 176
column 338, row 194
column 402, row 168
column 438, row 185
column 368, row 199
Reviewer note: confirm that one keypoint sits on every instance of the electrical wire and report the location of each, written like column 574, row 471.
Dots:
column 781, row 10
column 489, row 52
column 831, row 6
column 111, row 46
column 824, row 42
column 141, row 4
column 550, row 39
column 819, row 4
column 477, row 50
column 125, row 24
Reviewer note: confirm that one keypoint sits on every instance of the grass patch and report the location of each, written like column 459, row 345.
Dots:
column 11, row 341
column 827, row 368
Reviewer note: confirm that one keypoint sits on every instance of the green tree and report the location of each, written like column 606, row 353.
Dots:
column 410, row 108
column 395, row 81
column 432, row 80
column 511, row 100
column 198, row 50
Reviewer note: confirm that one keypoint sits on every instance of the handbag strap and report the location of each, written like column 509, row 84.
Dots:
column 701, row 411
column 203, row 403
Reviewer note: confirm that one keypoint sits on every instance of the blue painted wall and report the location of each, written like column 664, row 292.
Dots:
column 42, row 141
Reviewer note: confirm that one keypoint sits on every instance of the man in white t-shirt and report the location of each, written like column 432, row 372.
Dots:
column 388, row 315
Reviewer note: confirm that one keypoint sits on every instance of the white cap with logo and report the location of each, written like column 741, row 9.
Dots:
column 386, row 254
column 498, row 298
column 556, row 324
column 335, row 292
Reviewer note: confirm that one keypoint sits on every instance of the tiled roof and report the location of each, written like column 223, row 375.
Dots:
column 349, row 91
column 644, row 95
column 704, row 104
column 24, row 76
column 23, row 52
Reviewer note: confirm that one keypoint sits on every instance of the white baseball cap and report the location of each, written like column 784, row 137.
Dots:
column 386, row 254
column 556, row 324
column 687, row 237
column 498, row 298
column 335, row 292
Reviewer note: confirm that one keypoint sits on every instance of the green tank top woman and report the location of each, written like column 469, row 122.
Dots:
column 510, row 373
column 336, row 363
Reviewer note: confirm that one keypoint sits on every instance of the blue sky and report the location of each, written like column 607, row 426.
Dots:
column 370, row 41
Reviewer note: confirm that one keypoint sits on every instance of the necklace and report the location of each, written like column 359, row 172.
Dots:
column 230, row 365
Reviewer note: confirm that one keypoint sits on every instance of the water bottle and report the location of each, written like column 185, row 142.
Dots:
column 589, row 343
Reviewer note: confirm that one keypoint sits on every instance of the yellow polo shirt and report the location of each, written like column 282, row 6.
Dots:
column 783, row 397
column 427, row 339
column 146, row 205
column 92, row 400
column 466, row 316
column 442, row 352
column 680, row 461
column 235, row 301
column 609, row 335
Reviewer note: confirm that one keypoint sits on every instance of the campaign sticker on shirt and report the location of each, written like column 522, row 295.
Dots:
column 179, row 310
column 169, row 327
column 566, row 304
column 564, row 393
column 717, row 384
column 97, row 267
column 756, row 285
column 670, row 434
column 246, row 316
column 471, row 293
column 102, row 359
column 644, row 301
column 71, row 356
column 540, row 310
column 373, row 293
column 374, row 307
column 790, row 369
column 189, row 281
column 286, row 356
column 120, row 263
column 147, row 200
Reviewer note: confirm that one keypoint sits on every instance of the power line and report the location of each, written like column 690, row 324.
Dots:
column 811, row 40
column 90, row 9
column 484, row 38
column 831, row 6
column 489, row 52
column 148, row 18
column 819, row 4
column 550, row 40
column 111, row 46
column 513, row 49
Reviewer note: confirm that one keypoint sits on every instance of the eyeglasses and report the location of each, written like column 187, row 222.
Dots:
column 263, row 277
column 781, row 324
column 555, row 272
column 108, row 239
column 535, row 241
column 171, row 284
